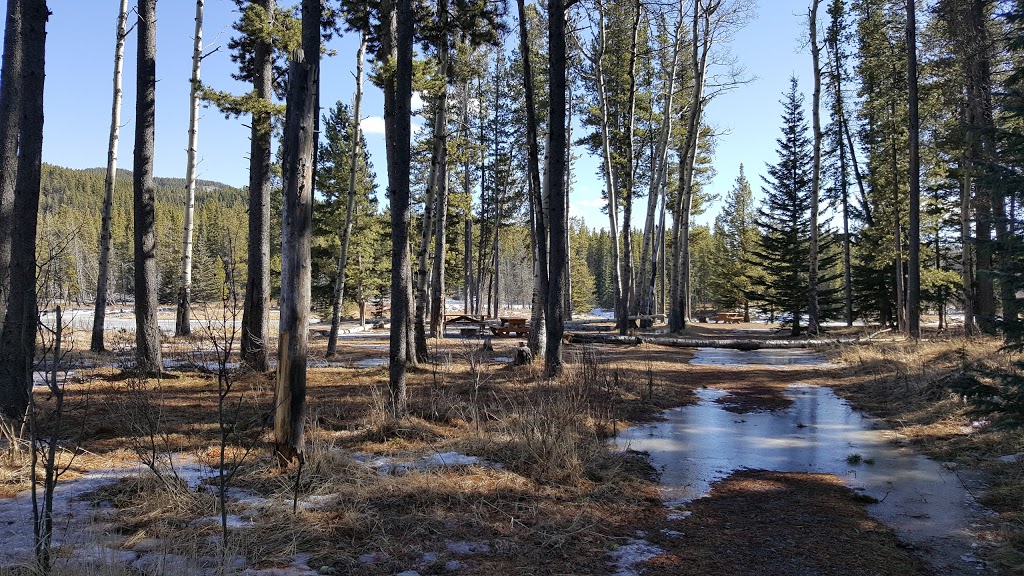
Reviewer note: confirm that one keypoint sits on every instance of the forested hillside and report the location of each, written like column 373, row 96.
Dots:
column 69, row 230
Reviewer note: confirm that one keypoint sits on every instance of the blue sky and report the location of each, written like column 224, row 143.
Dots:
column 80, row 46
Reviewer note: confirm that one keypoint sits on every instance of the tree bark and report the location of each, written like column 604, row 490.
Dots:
column 556, row 184
column 299, row 142
column 627, row 279
column 256, row 305
column 339, row 282
column 147, row 328
column 19, row 330
column 396, row 45
column 539, row 229
column 183, row 318
column 10, row 116
column 914, row 272
column 437, row 290
column 102, row 282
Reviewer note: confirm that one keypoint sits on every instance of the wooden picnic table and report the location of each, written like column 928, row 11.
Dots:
column 510, row 326
column 466, row 323
column 729, row 317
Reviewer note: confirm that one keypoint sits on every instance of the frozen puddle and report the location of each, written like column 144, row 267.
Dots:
column 764, row 356
column 925, row 503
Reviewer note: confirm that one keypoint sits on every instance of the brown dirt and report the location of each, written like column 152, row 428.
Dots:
column 761, row 523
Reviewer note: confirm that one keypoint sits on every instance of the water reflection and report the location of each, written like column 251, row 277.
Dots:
column 923, row 501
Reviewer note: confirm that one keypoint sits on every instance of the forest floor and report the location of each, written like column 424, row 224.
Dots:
column 496, row 471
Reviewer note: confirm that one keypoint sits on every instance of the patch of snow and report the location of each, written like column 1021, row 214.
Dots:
column 454, row 565
column 635, row 552
column 388, row 466
column 679, row 515
column 466, row 547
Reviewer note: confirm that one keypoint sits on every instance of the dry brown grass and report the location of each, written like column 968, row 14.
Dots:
column 560, row 498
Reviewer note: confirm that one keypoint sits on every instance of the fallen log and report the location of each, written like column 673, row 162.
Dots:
column 735, row 344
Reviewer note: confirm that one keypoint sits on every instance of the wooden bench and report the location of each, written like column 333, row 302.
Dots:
column 729, row 317
column 510, row 326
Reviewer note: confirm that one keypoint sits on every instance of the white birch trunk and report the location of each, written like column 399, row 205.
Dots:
column 182, row 322
column 100, row 312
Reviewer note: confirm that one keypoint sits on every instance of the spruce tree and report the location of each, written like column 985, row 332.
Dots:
column 784, row 217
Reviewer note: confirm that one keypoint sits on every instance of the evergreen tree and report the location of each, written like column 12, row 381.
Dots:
column 731, row 284
column 332, row 185
column 783, row 247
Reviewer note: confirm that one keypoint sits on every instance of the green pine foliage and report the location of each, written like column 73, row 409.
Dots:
column 366, row 266
column 783, row 249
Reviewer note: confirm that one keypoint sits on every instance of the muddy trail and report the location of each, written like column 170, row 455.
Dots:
column 802, row 484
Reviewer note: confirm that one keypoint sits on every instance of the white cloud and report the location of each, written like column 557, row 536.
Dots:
column 417, row 103
column 372, row 125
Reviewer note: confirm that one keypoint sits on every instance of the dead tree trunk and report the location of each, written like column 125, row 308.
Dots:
column 339, row 282
column 182, row 324
column 147, row 328
column 299, row 143
column 103, row 277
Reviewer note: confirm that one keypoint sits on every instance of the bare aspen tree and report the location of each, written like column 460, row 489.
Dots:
column 813, row 314
column 103, row 277
column 182, row 324
column 339, row 286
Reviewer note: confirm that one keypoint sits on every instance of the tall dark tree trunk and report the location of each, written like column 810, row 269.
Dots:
column 256, row 305
column 437, row 290
column 628, row 277
column 339, row 282
column 914, row 248
column 10, row 116
column 539, row 229
column 556, row 185
column 19, row 330
column 397, row 16
column 147, row 328
column 299, row 143
column 977, row 59
column 103, row 276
